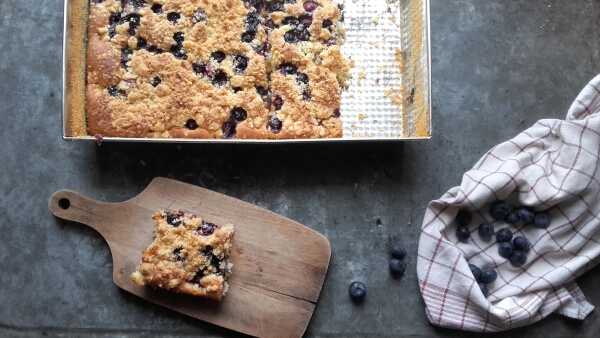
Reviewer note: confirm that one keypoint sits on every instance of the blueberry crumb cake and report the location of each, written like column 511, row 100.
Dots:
column 248, row 69
column 188, row 255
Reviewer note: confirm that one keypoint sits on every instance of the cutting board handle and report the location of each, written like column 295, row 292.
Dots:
column 72, row 206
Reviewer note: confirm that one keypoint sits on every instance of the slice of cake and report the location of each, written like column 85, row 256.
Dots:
column 188, row 255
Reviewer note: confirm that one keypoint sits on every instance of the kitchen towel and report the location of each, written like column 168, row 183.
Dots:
column 552, row 166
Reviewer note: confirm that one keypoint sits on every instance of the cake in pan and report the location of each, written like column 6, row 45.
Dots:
column 249, row 69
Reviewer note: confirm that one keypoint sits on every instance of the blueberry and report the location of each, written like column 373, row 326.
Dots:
column 518, row 258
column 240, row 63
column 229, row 129
column 138, row 3
column 306, row 94
column 336, row 113
column 463, row 233
column 191, row 124
column 526, row 215
column 113, row 91
column 155, row 81
column 125, row 55
column 178, row 52
column 156, row 8
column 288, row 69
column 310, row 6
column 218, row 56
column 262, row 91
column 488, row 276
column 302, row 78
column 248, row 36
column 542, row 220
column 179, row 37
column 306, row 20
column 397, row 267
column 357, row 291
column 199, row 16
column 505, row 249
column 303, row 35
column 200, row 68
column 291, row 36
column 239, row 114
column 327, row 23
column 513, row 217
column 252, row 21
column 178, row 254
column 275, row 125
column 277, row 102
column 486, row 231
column 174, row 218
column 521, row 243
column 397, row 251
column 141, row 43
column 275, row 6
column 173, row 16
column 291, row 20
column 463, row 218
column 484, row 289
column 220, row 78
column 114, row 18
column 504, row 235
column 476, row 271
column 500, row 210
column 206, row 229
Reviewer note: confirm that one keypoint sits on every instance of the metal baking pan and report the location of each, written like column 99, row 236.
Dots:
column 388, row 98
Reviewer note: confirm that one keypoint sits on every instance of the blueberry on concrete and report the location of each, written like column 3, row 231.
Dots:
column 357, row 291
column 505, row 249
column 397, row 267
column 463, row 218
column 488, row 276
column 521, row 243
column 504, row 235
column 518, row 258
column 397, row 251
column 476, row 272
column 500, row 210
column 486, row 231
column 463, row 233
column 542, row 220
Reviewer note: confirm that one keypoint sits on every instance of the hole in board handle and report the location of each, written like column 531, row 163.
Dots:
column 64, row 203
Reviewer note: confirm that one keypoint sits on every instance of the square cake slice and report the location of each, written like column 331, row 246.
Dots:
column 188, row 255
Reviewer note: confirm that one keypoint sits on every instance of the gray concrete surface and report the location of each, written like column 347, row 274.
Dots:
column 498, row 66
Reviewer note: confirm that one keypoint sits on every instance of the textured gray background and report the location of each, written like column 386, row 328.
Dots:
column 498, row 66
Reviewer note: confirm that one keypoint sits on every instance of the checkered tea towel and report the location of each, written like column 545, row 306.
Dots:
column 554, row 166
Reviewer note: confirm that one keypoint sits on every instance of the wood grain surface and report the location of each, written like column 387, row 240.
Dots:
column 279, row 265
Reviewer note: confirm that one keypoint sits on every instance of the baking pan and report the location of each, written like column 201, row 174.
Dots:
column 388, row 97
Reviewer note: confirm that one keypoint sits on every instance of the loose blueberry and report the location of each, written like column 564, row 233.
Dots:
column 275, row 125
column 277, row 102
column 513, row 217
column 488, row 276
column 521, row 243
column 220, row 78
column 240, row 63
column 542, row 220
column 173, row 16
column 526, row 215
column 504, row 235
column 199, row 16
column 484, row 289
column 228, row 129
column 397, row 267
column 463, row 218
column 486, row 231
column 505, row 249
column 155, row 81
column 518, row 258
column 310, row 6
column 357, row 291
column 239, row 114
column 191, row 124
column 476, row 271
column 463, row 233
column 500, row 210
column 397, row 250
column 288, row 69
column 206, row 229
column 178, row 37
column 156, row 8
column 218, row 56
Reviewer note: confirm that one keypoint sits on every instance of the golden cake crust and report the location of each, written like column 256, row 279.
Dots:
column 191, row 69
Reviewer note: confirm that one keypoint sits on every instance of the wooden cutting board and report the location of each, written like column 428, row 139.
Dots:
column 279, row 265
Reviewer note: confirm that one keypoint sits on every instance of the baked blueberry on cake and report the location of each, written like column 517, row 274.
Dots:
column 215, row 68
column 188, row 255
